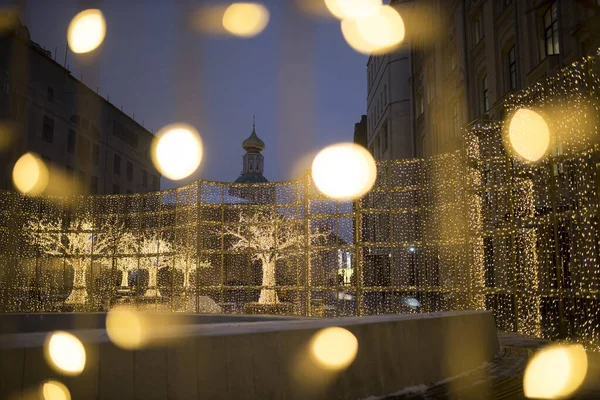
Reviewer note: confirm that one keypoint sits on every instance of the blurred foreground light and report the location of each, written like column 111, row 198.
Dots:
column 245, row 19
column 9, row 19
column 65, row 353
column 177, row 151
column 349, row 9
column 344, row 171
column 126, row 328
column 377, row 33
column 334, row 348
column 7, row 134
column 86, row 31
column 529, row 135
column 54, row 390
column 555, row 372
column 30, row 175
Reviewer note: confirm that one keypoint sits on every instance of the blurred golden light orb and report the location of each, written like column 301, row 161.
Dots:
column 377, row 33
column 177, row 151
column 125, row 328
column 350, row 9
column 555, row 372
column 245, row 19
column 529, row 135
column 86, row 31
column 344, row 171
column 54, row 390
column 65, row 353
column 30, row 175
column 334, row 348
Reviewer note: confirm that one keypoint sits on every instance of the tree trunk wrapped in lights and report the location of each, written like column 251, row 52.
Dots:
column 266, row 235
column 76, row 243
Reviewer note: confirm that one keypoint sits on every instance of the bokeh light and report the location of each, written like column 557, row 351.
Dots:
column 86, row 31
column 54, row 390
column 350, row 9
column 7, row 134
column 245, row 19
column 555, row 372
column 529, row 135
column 126, row 328
column 177, row 151
column 377, row 33
column 65, row 353
column 334, row 348
column 344, row 171
column 30, row 175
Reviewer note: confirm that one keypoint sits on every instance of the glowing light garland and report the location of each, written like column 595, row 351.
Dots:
column 471, row 230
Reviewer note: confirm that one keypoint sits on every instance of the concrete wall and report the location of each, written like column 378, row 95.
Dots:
column 262, row 360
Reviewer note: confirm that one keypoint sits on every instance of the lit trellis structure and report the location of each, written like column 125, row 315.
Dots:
column 477, row 229
column 539, row 223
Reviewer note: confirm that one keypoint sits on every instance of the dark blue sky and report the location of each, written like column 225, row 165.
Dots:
column 306, row 86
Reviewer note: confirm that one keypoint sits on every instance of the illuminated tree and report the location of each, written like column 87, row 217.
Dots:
column 266, row 235
column 154, row 254
column 187, row 263
column 76, row 242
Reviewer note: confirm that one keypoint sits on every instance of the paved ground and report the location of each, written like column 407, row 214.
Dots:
column 502, row 378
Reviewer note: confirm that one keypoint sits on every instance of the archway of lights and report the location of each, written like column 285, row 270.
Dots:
column 476, row 229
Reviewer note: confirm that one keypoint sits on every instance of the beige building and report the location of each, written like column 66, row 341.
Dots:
column 389, row 130
column 75, row 130
column 483, row 50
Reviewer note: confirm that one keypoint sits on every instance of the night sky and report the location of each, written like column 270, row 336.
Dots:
column 306, row 86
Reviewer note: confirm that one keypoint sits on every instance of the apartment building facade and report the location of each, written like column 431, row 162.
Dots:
column 44, row 109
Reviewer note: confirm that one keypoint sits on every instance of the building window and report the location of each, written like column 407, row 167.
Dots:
column 50, row 94
column 145, row 178
column 129, row 191
column 455, row 121
column 48, row 129
column 94, row 185
column 96, row 154
column 83, row 148
column 512, row 69
column 420, row 107
column 82, row 178
column 129, row 171
column 116, row 189
column 485, row 95
column 69, row 171
column 155, row 183
column 384, row 137
column 117, row 164
column 71, row 141
column 477, row 29
column 551, row 30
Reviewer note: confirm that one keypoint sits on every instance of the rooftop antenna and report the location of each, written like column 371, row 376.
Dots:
column 253, row 122
column 66, row 52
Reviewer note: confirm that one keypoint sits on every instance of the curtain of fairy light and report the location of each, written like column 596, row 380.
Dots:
column 538, row 229
column 476, row 229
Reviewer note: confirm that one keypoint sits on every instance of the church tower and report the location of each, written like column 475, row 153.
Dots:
column 253, row 161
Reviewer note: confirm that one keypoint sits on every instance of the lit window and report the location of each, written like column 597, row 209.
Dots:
column 551, row 30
